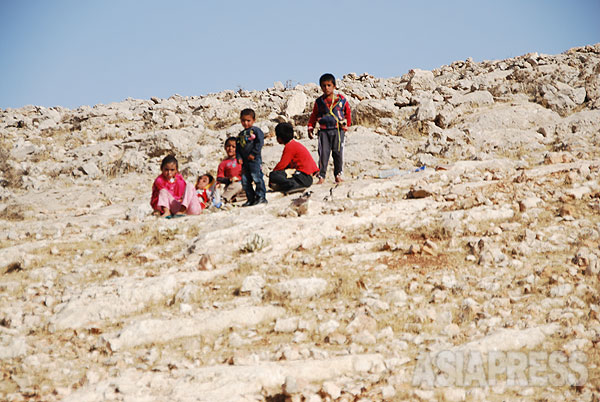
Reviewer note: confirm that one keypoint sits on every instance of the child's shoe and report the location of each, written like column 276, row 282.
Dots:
column 338, row 178
column 260, row 201
column 321, row 180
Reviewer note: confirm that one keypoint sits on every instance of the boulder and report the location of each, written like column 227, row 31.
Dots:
column 420, row 80
column 561, row 97
column 296, row 104
column 302, row 288
column 426, row 111
column 476, row 98
column 90, row 169
column 368, row 112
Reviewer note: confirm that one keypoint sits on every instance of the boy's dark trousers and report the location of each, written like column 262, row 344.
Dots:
column 251, row 173
column 331, row 141
column 279, row 181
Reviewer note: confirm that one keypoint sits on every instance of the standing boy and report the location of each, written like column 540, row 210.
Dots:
column 295, row 157
column 248, row 152
column 333, row 114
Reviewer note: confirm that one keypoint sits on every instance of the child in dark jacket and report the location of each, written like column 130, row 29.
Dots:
column 333, row 114
column 248, row 152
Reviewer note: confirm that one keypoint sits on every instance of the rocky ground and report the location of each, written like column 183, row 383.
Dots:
column 492, row 249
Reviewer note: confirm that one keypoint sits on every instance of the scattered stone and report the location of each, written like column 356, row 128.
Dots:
column 328, row 327
column 286, row 324
column 290, row 386
column 364, row 338
column 529, row 203
column 418, row 193
column 254, row 285
column 430, row 248
column 331, row 389
column 302, row 288
column 90, row 169
column 388, row 392
column 360, row 323
column 206, row 263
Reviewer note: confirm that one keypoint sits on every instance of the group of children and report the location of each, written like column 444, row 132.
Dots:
column 240, row 172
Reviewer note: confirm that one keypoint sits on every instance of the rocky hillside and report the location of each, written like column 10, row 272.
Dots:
column 367, row 290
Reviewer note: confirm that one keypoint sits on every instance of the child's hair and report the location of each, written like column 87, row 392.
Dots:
column 248, row 112
column 327, row 77
column 169, row 159
column 230, row 139
column 285, row 131
column 210, row 177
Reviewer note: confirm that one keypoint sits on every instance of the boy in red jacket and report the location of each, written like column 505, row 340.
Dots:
column 333, row 114
column 295, row 157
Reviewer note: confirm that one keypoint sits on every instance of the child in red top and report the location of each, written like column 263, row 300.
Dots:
column 333, row 114
column 229, row 173
column 171, row 194
column 295, row 158
column 204, row 189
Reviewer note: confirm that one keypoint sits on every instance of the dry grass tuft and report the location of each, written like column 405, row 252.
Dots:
column 11, row 177
column 435, row 230
column 13, row 212
column 119, row 168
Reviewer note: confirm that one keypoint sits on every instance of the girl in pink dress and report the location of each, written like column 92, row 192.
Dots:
column 171, row 195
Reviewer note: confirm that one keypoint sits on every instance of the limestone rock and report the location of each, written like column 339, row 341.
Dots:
column 302, row 288
column 368, row 112
column 420, row 80
column 253, row 284
column 286, row 324
column 426, row 111
column 296, row 104
column 160, row 330
column 90, row 169
column 476, row 98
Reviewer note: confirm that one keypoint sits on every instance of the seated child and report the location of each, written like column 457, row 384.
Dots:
column 171, row 194
column 296, row 157
column 207, row 193
column 229, row 173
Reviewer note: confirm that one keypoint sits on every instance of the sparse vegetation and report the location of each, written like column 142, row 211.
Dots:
column 253, row 243
column 10, row 175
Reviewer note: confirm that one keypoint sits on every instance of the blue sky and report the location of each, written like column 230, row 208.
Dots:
column 76, row 52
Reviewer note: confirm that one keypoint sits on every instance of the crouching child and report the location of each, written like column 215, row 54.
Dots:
column 296, row 166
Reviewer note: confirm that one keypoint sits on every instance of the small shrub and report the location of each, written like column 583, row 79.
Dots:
column 253, row 243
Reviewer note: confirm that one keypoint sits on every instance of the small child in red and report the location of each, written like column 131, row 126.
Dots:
column 229, row 173
column 204, row 189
